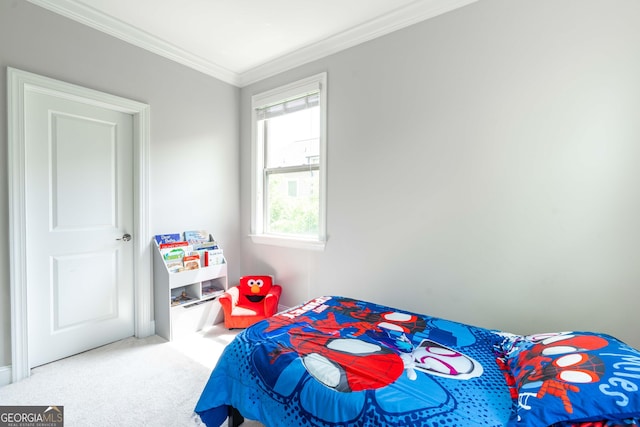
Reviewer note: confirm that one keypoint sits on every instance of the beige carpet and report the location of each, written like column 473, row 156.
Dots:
column 133, row 382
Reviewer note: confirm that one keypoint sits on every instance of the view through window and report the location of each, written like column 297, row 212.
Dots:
column 289, row 145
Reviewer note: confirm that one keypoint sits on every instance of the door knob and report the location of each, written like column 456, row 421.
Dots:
column 125, row 237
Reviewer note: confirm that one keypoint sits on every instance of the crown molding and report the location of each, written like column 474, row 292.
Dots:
column 107, row 24
column 413, row 13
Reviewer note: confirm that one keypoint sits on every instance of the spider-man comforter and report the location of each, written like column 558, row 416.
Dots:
column 336, row 361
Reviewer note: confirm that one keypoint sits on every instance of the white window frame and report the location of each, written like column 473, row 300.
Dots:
column 258, row 234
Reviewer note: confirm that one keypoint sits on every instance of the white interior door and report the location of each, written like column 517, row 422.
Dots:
column 78, row 202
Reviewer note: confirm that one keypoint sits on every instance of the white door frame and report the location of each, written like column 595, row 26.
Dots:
column 18, row 83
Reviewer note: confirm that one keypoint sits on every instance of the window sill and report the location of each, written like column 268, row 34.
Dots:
column 288, row 242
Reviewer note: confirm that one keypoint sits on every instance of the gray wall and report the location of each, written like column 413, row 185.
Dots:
column 481, row 164
column 194, row 126
column 483, row 167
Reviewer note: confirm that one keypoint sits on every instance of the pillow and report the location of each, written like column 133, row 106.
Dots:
column 571, row 377
column 632, row 422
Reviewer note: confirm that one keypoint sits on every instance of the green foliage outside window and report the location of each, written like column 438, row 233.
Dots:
column 293, row 215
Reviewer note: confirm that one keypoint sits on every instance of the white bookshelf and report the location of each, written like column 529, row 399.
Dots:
column 198, row 308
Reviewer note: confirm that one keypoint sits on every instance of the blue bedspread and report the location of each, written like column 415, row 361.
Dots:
column 336, row 361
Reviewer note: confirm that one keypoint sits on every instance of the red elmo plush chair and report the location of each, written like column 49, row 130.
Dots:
column 254, row 299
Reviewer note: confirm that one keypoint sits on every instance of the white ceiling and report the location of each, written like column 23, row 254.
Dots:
column 243, row 41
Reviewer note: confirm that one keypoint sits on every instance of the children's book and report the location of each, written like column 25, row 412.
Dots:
column 191, row 262
column 172, row 245
column 167, row 238
column 175, row 265
column 172, row 254
column 196, row 236
column 213, row 257
column 212, row 244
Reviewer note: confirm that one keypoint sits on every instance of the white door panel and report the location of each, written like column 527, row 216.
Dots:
column 79, row 201
column 70, row 275
column 89, row 183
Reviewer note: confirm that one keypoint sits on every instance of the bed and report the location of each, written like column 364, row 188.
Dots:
column 336, row 361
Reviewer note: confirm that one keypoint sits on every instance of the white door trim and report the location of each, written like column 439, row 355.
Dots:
column 18, row 82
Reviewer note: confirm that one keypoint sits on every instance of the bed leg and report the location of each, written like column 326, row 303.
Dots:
column 235, row 419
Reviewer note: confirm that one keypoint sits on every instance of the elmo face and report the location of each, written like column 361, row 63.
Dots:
column 255, row 288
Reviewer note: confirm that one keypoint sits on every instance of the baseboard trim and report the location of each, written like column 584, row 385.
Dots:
column 5, row 375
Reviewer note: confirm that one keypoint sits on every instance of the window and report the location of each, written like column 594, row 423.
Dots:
column 289, row 173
